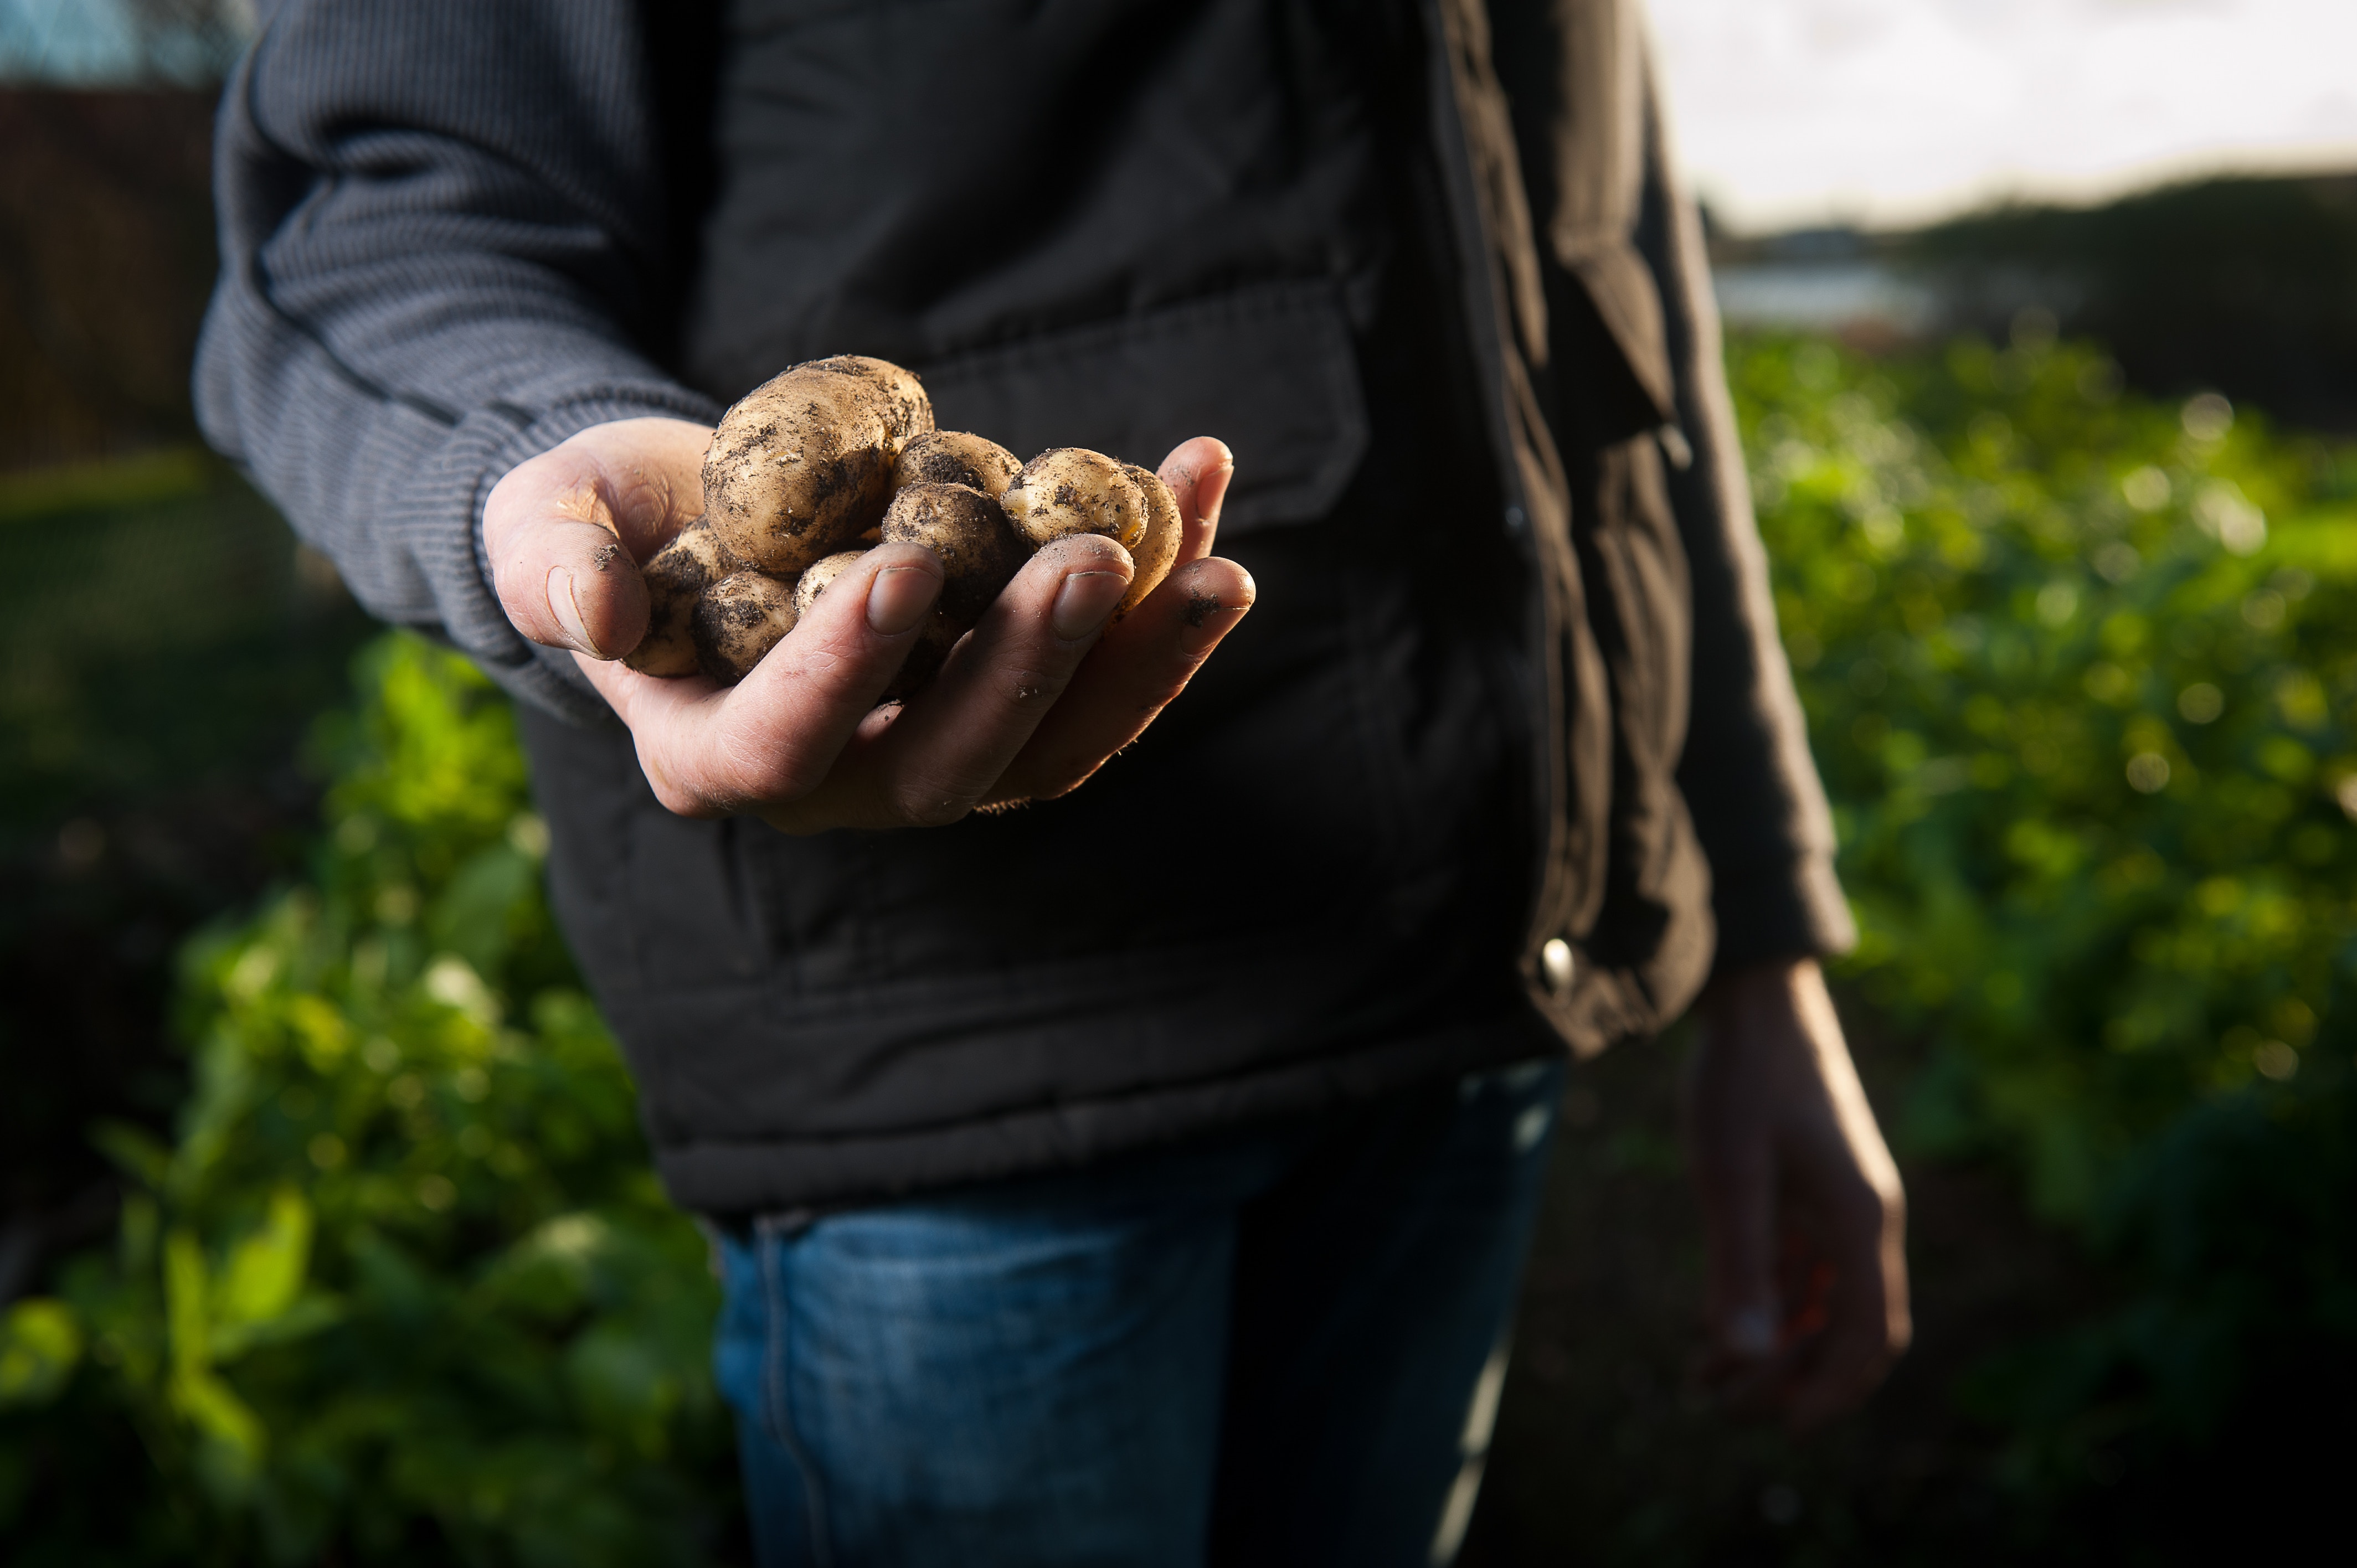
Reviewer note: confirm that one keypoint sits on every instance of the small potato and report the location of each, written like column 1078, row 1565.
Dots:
column 1155, row 554
column 955, row 458
column 802, row 464
column 676, row 576
column 738, row 619
column 1072, row 489
column 814, row 582
column 979, row 550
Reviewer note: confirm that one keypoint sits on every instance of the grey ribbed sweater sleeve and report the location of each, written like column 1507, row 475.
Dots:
column 442, row 241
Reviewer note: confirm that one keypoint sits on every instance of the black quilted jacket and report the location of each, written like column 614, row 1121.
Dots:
column 1504, row 761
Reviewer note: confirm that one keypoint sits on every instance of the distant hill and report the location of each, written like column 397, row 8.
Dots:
column 2246, row 286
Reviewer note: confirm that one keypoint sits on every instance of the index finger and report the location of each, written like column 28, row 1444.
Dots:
column 773, row 739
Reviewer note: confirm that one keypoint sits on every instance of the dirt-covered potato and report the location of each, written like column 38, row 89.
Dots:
column 1155, row 554
column 979, row 550
column 738, row 619
column 814, row 582
column 908, row 413
column 1070, row 491
column 840, row 455
column 675, row 576
column 955, row 458
column 803, row 462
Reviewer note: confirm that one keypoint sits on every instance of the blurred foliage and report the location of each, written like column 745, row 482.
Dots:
column 163, row 648
column 2081, row 670
column 402, row 1287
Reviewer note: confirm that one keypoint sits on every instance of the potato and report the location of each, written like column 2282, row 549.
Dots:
column 1157, row 553
column 954, row 458
column 814, row 582
column 803, row 462
column 675, row 576
column 840, row 455
column 738, row 619
column 908, row 413
column 979, row 549
column 1072, row 489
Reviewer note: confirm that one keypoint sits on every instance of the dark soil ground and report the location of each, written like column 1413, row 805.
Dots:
column 1606, row 1450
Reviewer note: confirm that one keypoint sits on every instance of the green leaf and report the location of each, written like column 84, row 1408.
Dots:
column 40, row 1343
column 265, row 1271
column 231, row 1431
column 186, row 1319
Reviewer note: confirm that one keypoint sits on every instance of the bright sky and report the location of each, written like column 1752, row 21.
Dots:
column 1886, row 111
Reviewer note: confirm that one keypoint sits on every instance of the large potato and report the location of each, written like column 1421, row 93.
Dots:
column 803, row 462
column 676, row 576
column 738, row 619
column 1072, row 489
column 1155, row 554
column 956, row 457
column 907, row 412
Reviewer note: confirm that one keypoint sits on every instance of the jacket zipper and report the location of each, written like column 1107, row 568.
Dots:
column 1476, row 263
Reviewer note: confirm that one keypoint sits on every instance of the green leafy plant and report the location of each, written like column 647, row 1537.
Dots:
column 2081, row 671
column 403, row 1287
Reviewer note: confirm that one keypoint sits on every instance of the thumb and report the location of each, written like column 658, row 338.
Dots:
column 564, row 580
column 565, row 531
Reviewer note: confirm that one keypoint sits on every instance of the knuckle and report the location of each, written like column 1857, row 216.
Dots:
column 925, row 804
column 673, row 796
column 777, row 771
column 1030, row 691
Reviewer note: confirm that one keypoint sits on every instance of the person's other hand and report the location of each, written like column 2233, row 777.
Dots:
column 1802, row 1204
column 1029, row 704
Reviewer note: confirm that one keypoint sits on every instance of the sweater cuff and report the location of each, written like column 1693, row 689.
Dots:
column 1794, row 911
column 548, row 677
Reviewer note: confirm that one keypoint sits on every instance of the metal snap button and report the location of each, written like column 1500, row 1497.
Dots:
column 1555, row 961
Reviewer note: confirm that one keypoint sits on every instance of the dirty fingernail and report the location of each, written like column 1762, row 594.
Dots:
column 898, row 599
column 564, row 602
column 1085, row 601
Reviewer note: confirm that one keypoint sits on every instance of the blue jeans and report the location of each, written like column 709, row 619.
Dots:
column 1284, row 1347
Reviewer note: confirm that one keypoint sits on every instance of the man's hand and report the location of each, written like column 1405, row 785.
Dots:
column 1806, row 1218
column 1029, row 704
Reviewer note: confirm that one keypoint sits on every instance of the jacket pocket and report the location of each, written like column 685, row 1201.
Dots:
column 1268, row 369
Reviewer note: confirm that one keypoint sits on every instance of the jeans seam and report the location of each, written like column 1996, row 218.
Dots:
column 777, row 1390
